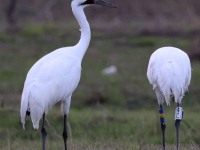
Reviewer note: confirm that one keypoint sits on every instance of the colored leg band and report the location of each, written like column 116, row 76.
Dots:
column 162, row 118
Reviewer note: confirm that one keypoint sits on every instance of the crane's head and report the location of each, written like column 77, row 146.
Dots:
column 91, row 2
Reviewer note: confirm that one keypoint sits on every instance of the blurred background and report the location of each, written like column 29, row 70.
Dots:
column 114, row 104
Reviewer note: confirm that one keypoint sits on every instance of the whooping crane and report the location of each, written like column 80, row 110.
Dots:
column 55, row 76
column 169, row 72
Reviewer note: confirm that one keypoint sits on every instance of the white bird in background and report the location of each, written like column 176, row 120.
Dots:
column 55, row 76
column 169, row 71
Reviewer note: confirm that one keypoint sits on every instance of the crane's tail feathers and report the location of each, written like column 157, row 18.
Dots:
column 36, row 101
column 23, row 109
column 170, row 81
column 33, row 99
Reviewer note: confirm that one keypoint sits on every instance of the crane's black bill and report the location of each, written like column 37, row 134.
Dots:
column 103, row 3
column 88, row 2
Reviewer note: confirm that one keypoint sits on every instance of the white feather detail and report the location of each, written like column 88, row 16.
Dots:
column 43, row 89
column 55, row 76
column 169, row 71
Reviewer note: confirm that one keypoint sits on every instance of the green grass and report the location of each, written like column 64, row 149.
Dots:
column 101, row 127
column 107, row 112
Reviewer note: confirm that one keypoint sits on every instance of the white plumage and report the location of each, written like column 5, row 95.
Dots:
column 169, row 71
column 55, row 76
column 49, row 82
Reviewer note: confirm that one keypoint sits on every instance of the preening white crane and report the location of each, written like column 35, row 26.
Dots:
column 55, row 76
column 169, row 72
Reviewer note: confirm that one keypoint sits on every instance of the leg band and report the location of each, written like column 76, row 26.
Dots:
column 162, row 118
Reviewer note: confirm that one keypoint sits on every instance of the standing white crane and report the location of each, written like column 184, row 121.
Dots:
column 55, row 76
column 169, row 71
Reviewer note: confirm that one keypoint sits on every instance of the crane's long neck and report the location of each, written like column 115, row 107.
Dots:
column 82, row 45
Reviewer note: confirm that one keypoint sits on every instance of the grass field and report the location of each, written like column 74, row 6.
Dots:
column 115, row 112
column 101, row 128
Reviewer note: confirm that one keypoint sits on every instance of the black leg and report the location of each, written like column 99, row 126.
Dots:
column 44, row 133
column 163, row 125
column 177, row 124
column 65, row 131
column 178, row 118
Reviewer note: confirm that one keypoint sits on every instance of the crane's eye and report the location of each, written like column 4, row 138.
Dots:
column 87, row 2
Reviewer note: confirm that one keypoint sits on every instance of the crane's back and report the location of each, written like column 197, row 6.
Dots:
column 169, row 72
